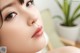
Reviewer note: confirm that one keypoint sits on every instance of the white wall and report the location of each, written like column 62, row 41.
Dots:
column 41, row 4
column 54, row 9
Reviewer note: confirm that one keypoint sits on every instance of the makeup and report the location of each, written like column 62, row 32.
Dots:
column 38, row 32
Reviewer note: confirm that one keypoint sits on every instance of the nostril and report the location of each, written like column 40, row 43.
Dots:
column 31, row 22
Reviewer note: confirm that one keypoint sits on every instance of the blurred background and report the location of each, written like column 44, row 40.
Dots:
column 49, row 9
column 53, row 7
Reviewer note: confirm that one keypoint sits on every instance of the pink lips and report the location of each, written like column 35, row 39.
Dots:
column 38, row 32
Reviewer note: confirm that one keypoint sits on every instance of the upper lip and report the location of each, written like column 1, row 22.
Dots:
column 37, row 30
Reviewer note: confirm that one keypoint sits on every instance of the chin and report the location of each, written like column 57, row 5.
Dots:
column 43, row 43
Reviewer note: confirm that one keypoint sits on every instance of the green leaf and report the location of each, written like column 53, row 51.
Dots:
column 58, row 17
column 59, row 5
column 65, row 7
column 76, row 17
column 69, row 8
column 68, row 11
column 76, row 10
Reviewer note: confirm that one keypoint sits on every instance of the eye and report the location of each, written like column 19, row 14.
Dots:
column 29, row 3
column 10, row 16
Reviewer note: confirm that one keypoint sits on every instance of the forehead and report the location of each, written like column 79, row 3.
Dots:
column 5, row 2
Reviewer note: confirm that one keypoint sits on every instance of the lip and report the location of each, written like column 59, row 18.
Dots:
column 38, row 32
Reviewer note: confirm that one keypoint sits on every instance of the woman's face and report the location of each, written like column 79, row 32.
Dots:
column 21, row 31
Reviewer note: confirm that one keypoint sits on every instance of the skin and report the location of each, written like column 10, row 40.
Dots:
column 67, row 49
column 16, row 32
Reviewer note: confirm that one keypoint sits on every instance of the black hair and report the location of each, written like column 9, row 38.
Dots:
column 21, row 1
column 1, row 20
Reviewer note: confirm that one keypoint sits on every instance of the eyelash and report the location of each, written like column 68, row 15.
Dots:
column 29, row 3
column 13, row 14
column 10, row 16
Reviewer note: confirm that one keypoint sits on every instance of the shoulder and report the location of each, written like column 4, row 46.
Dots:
column 67, row 49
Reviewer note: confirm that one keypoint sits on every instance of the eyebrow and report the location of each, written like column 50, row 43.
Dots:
column 8, row 5
column 4, row 8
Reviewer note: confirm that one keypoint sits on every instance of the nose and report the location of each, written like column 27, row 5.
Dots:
column 31, row 20
column 30, row 16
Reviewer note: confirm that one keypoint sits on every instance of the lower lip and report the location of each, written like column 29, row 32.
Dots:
column 39, row 34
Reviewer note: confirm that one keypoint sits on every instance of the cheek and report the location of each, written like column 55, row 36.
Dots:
column 15, row 33
column 15, row 36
